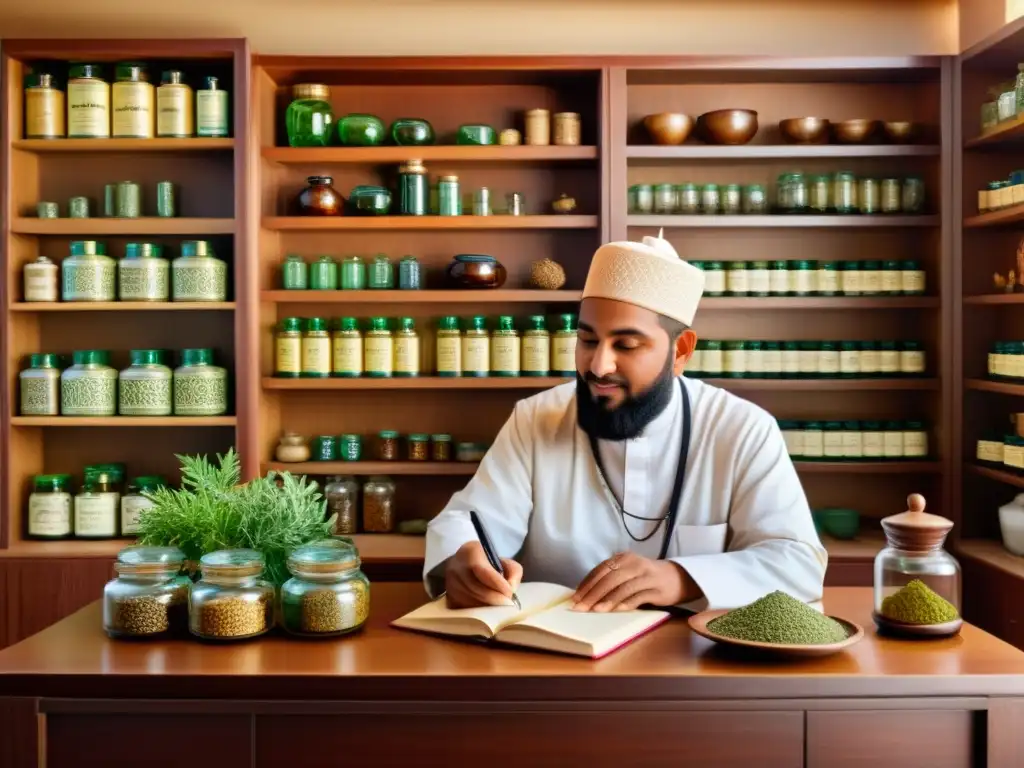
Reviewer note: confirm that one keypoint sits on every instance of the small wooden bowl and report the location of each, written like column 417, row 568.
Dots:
column 900, row 131
column 854, row 131
column 668, row 128
column 854, row 633
column 902, row 629
column 804, row 130
column 728, row 126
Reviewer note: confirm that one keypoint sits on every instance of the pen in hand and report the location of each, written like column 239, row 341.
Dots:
column 489, row 551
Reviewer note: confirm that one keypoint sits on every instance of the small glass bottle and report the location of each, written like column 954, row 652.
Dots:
column 712, row 361
column 790, row 359
column 379, row 349
column 732, row 199
column 688, row 199
column 144, row 387
column 323, row 274
column 714, row 278
column 88, row 274
column 410, row 274
column 387, row 445
column 737, row 278
column 175, row 107
column 912, row 359
column 407, row 349
column 96, row 508
column 644, row 198
column 342, row 495
column 294, row 273
column 353, row 274
column 328, row 594
column 813, row 441
column 88, row 102
column 347, row 349
column 39, row 386
column 136, row 501
column 912, row 279
column 771, row 352
column 315, row 351
column 799, row 192
column 828, row 278
column 133, row 100
column 778, row 278
column 149, row 597
column 212, row 114
column 448, row 352
column 536, row 357
column 872, row 439
column 379, row 513
column 851, row 281
column 198, row 275
column 476, row 348
column 89, row 386
column 143, row 274
column 381, row 275
column 49, row 508
column 200, row 387
column 844, row 193
column 734, row 360
column 506, row 359
column 45, row 111
column 449, row 198
column 563, row 347
column 912, row 195
column 40, row 280
column 441, row 447
column 288, row 348
column 309, row 119
column 231, row 600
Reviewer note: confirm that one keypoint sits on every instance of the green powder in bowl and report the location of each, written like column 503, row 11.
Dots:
column 779, row 619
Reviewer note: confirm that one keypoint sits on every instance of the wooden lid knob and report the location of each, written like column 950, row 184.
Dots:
column 915, row 529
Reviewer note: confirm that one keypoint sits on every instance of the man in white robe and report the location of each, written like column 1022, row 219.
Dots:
column 604, row 524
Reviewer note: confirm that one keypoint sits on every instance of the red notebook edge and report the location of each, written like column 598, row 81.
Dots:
column 633, row 638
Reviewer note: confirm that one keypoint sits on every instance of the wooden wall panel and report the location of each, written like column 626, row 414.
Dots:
column 18, row 733
column 992, row 600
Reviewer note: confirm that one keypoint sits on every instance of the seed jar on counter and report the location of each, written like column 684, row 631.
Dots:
column 328, row 594
column 149, row 597
column 231, row 600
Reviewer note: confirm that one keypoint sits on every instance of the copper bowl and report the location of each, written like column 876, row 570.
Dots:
column 475, row 270
column 900, row 131
column 728, row 126
column 854, row 131
column 804, row 130
column 668, row 128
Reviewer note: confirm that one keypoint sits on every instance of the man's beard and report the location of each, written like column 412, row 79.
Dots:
column 631, row 417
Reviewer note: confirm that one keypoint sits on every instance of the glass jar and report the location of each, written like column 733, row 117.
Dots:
column 799, row 193
column 353, row 274
column 381, row 274
column 755, row 199
column 144, row 387
column 810, row 358
column 448, row 351
column 758, row 279
column 449, row 197
column 379, row 513
column 309, row 120
column 315, row 352
column 324, row 448
column 323, row 274
column 870, row 358
column 710, row 199
column 892, row 278
column 916, row 582
column 410, row 274
column 853, row 440
column 231, row 600
column 407, row 349
column 288, row 348
column 912, row 195
column 39, row 385
column 802, row 276
column 832, row 440
column 200, row 387
column 143, row 274
column 912, row 359
column 871, row 278
column 778, row 278
column 732, row 199
column 44, row 107
column 813, row 441
column 892, row 440
column 643, row 198
column 379, row 349
column 88, row 102
column 828, row 359
column 135, row 502
column 175, row 106
column 890, row 195
column 772, row 356
column 97, row 505
column 294, row 273
column 133, row 97
column 712, row 361
column 714, row 278
column 754, row 353
column 88, row 274
column 441, row 447
column 688, row 198
column 89, row 386
column 342, row 495
column 212, row 111
column 476, row 348
column 49, row 507
column 828, row 278
column 418, row 447
column 790, row 359
column 737, row 278
column 387, row 445
column 328, row 595
column 912, row 279
column 149, row 597
column 198, row 275
column 535, row 359
column 664, row 199
column 346, row 348
column 849, row 359
column 872, row 439
column 819, row 195
column 868, row 195
column 319, row 198
column 734, row 360
column 915, row 440
column 783, row 196
column 844, row 192
column 506, row 349
column 888, row 358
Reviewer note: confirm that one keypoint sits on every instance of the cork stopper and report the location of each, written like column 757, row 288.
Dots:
column 916, row 530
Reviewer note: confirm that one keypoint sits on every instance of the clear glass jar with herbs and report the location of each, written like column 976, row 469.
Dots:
column 869, row 195
column 891, row 197
column 149, row 597
column 710, row 199
column 664, row 199
column 342, row 495
column 323, row 274
column 294, row 273
column 844, row 193
column 379, row 512
column 231, row 600
column 328, row 594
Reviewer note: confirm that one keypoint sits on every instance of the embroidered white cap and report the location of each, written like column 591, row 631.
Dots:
column 649, row 274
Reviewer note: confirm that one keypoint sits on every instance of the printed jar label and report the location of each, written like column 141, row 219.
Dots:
column 828, row 281
column 892, row 281
column 44, row 113
column 316, row 355
column 990, row 450
column 131, row 509
column 133, row 110
column 800, row 281
column 853, row 445
column 869, row 361
column 96, row 515
column 849, row 362
column 911, row 361
column 348, row 356
column 475, row 354
column 40, row 284
column 88, row 110
column 915, row 444
column 407, row 355
column 714, row 281
column 814, row 444
column 563, row 354
column 790, row 361
column 851, row 282
column 211, row 113
column 449, row 355
column 874, row 444
column 833, row 443
column 755, row 361
column 772, row 361
column 794, row 439
column 49, row 514
column 1013, row 456
column 734, row 361
column 888, row 361
column 693, row 365
column 759, row 281
column 711, row 360
column 536, row 354
column 505, row 354
column 737, row 281
column 288, row 355
column 892, row 444
column 828, row 361
column 871, row 281
column 808, row 361
column 778, row 281
column 912, row 281
column 174, row 111
column 379, row 354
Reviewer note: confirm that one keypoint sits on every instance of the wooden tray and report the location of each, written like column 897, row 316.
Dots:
column 699, row 624
column 902, row 629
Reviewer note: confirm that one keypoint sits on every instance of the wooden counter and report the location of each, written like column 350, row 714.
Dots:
column 390, row 696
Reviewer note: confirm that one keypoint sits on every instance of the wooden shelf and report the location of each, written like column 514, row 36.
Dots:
column 861, row 549
column 999, row 475
column 331, row 223
column 998, row 218
column 992, row 553
column 995, row 299
column 97, row 146
column 423, row 468
column 447, row 153
column 123, row 306
column 782, row 220
column 123, row 421
column 418, row 382
column 780, row 151
column 869, row 467
column 1010, row 132
column 103, row 227
column 1001, row 387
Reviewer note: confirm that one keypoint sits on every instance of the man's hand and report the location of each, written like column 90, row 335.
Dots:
column 470, row 581
column 627, row 581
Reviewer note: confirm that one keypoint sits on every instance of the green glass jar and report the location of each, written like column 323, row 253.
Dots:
column 449, row 196
column 802, row 276
column 714, row 278
column 328, row 594
column 323, row 274
column 892, row 278
column 149, row 597
column 814, row 441
column 793, row 436
column 710, row 199
column 888, row 359
column 288, row 348
column 912, row 278
column 832, row 440
column 844, row 193
column 40, row 386
column 644, row 198
column 563, row 346
column 732, row 199
column 1013, row 453
column 144, row 387
column 778, row 278
column 754, row 354
column 755, row 199
column 758, row 279
column 381, row 275
column 828, row 360
column 664, row 199
column 737, row 278
column 143, row 274
column 712, row 359
column 414, row 190
column 89, row 386
column 849, row 359
column 361, row 130
column 379, row 349
column 868, row 195
column 294, row 273
column 891, row 197
column 315, row 354
column 734, row 360
column 448, row 351
column 819, row 197
column 828, row 282
column 324, row 448
column 871, row 278
column 506, row 358
column 198, row 275
column 783, row 193
column 688, row 199
column 309, row 119
column 200, row 387
column 872, row 441
column 772, row 355
column 88, row 274
column 850, row 282
column 353, row 274
column 476, row 348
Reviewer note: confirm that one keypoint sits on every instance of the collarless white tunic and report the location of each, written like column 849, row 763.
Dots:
column 744, row 527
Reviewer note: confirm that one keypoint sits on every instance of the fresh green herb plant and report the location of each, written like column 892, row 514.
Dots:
column 273, row 514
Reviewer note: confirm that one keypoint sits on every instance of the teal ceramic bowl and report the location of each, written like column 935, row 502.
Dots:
column 368, row 200
column 838, row 523
column 412, row 132
column 358, row 130
column 476, row 134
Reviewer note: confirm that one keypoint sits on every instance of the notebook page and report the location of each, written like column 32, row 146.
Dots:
column 599, row 631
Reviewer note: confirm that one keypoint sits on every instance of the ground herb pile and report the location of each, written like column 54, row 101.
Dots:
column 916, row 603
column 780, row 619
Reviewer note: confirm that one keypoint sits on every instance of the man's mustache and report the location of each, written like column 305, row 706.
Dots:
column 604, row 380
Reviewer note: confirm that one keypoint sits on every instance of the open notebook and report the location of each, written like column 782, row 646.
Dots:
column 546, row 622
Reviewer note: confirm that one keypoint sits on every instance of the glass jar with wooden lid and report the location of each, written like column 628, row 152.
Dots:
column 328, row 594
column 149, row 597
column 231, row 600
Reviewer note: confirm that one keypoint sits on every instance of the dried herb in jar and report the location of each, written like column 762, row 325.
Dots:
column 916, row 603
column 387, row 445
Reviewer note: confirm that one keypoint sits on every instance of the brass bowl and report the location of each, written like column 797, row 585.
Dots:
column 900, row 131
column 854, row 131
column 804, row 130
column 728, row 126
column 668, row 128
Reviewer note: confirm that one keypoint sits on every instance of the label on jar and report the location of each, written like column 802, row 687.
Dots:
column 871, row 280
column 132, row 507
column 892, row 281
column 814, row 443
column 449, row 355
column 849, row 361
column 794, row 439
column 316, row 355
column 772, row 362
column 853, row 444
column 347, row 356
column 1013, row 456
column 407, row 354
column 801, row 281
column 288, row 355
column 759, row 281
column 96, row 514
column 983, row 203
column 755, row 361
column 174, row 110
column 808, row 360
column 211, row 112
column 869, row 361
column 993, row 364
column 911, row 361
column 40, row 283
column 833, row 444
column 536, row 354
column 790, row 361
column 563, row 354
column 915, row 443
column 828, row 361
column 711, row 361
column 49, row 514
column 734, row 361
column 505, row 354
column 737, row 281
column 851, row 281
column 694, row 363
column 892, row 444
column 133, row 110
column 990, row 450
column 912, row 281
column 888, row 361
column 873, row 444
column 828, row 281
column 379, row 354
column 88, row 109
column 714, row 281
column 778, row 281
column 44, row 113
column 476, row 354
